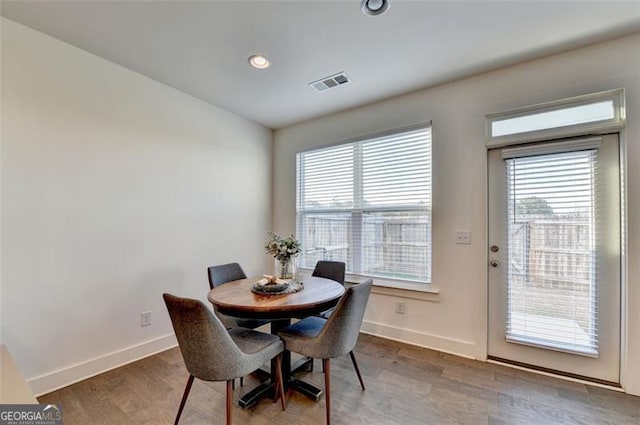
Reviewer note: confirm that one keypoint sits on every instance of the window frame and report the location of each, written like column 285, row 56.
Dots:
column 617, row 122
column 384, row 281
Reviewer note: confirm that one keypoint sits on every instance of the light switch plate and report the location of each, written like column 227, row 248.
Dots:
column 463, row 237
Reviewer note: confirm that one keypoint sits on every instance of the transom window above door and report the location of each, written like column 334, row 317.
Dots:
column 368, row 203
column 595, row 113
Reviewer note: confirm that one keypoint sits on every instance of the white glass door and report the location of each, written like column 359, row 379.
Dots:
column 554, row 256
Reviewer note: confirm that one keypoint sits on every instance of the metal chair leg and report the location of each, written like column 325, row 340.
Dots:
column 184, row 398
column 355, row 365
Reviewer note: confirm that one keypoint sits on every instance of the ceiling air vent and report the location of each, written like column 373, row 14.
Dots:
column 330, row 82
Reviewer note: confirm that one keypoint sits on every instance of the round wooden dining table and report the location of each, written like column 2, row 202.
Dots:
column 236, row 299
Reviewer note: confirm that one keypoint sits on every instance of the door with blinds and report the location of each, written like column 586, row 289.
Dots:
column 554, row 256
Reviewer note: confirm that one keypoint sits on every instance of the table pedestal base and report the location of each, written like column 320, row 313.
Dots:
column 268, row 389
column 256, row 394
column 306, row 389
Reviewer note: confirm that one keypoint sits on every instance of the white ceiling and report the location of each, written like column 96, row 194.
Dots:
column 201, row 47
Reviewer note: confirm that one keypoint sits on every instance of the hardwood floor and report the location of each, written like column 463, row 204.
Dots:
column 405, row 385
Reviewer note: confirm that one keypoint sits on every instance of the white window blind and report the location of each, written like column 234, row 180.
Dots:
column 552, row 269
column 368, row 203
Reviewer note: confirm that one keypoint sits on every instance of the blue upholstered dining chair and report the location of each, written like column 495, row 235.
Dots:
column 213, row 353
column 336, row 336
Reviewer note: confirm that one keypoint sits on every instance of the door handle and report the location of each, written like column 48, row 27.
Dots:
column 494, row 263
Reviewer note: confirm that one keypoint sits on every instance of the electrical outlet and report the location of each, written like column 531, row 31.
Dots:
column 401, row 308
column 145, row 318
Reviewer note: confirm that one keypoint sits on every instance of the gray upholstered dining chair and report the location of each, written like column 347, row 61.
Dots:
column 224, row 273
column 219, row 275
column 334, row 270
column 325, row 339
column 213, row 353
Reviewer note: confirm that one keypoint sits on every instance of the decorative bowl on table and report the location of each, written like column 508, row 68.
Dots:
column 268, row 284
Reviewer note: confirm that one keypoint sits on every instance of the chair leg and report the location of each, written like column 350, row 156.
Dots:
column 242, row 381
column 184, row 398
column 229, row 400
column 327, row 388
column 280, row 384
column 355, row 365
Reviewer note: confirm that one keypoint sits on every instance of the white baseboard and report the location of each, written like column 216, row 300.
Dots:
column 66, row 376
column 420, row 339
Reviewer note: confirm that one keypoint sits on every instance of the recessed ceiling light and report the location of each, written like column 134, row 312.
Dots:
column 374, row 7
column 259, row 61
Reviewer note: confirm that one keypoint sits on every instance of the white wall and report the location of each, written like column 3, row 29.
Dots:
column 457, row 321
column 115, row 189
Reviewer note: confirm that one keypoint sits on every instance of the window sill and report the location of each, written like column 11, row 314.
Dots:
column 414, row 291
column 395, row 288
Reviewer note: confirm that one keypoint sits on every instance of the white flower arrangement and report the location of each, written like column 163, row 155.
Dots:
column 282, row 249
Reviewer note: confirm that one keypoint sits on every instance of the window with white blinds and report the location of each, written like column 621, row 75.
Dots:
column 368, row 203
column 552, row 247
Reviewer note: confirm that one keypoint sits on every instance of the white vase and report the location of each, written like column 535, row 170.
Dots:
column 285, row 269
